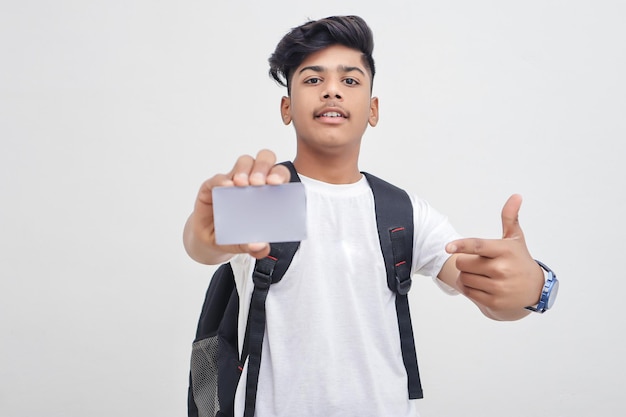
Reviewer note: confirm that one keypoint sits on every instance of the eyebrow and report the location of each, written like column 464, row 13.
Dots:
column 340, row 68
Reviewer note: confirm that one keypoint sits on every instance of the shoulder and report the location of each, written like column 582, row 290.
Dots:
column 378, row 182
column 386, row 194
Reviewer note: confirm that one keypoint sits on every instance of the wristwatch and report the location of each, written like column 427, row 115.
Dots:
column 549, row 291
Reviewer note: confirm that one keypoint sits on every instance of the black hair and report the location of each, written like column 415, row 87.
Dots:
column 313, row 36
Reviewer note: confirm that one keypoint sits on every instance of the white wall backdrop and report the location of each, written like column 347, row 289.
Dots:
column 113, row 112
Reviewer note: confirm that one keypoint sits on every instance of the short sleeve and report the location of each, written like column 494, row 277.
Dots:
column 432, row 231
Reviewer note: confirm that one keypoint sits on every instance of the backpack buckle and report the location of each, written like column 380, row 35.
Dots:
column 403, row 285
column 261, row 281
column 263, row 271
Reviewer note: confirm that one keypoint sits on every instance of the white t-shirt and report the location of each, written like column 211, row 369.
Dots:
column 331, row 345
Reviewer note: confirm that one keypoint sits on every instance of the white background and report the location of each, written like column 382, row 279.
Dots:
column 112, row 113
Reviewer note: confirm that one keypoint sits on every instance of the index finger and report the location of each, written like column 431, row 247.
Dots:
column 488, row 248
column 263, row 170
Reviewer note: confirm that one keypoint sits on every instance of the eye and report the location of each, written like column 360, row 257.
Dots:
column 312, row 80
column 351, row 81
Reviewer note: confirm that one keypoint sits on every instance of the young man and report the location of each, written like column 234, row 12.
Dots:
column 331, row 343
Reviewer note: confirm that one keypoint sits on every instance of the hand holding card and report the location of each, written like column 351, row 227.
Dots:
column 266, row 213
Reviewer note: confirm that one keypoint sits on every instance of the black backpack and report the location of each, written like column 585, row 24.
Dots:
column 216, row 365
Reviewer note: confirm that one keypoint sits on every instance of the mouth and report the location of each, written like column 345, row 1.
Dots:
column 332, row 114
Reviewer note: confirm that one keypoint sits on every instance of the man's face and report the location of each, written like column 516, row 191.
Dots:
column 330, row 103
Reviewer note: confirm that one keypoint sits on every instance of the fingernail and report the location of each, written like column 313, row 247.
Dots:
column 257, row 247
column 274, row 179
column 451, row 248
column 256, row 177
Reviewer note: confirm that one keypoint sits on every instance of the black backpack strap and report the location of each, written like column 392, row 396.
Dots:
column 267, row 271
column 292, row 171
column 394, row 219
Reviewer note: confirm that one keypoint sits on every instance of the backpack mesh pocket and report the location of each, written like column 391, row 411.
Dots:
column 204, row 376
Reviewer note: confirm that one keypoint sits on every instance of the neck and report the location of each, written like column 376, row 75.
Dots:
column 333, row 170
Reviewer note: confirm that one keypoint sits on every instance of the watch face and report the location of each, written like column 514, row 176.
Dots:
column 553, row 292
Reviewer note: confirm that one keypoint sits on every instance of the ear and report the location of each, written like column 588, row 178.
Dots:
column 373, row 119
column 285, row 110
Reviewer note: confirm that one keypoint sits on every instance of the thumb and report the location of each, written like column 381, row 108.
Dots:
column 510, row 218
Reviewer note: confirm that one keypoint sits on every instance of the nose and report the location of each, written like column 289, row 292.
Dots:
column 334, row 95
column 331, row 91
